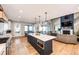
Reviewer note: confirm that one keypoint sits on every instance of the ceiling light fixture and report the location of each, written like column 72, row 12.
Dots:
column 19, row 16
column 35, row 20
column 21, row 11
column 39, row 19
column 45, row 16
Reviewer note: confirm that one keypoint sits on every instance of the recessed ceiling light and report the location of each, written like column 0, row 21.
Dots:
column 21, row 11
column 19, row 16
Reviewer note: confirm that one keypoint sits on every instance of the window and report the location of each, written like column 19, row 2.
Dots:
column 40, row 28
column 30, row 28
column 17, row 27
column 45, row 29
column 26, row 28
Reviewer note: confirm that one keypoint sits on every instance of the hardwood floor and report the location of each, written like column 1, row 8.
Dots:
column 65, row 49
column 20, row 46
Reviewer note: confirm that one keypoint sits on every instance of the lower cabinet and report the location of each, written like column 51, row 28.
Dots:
column 3, row 49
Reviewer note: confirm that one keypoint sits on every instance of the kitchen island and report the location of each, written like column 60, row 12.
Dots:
column 42, row 43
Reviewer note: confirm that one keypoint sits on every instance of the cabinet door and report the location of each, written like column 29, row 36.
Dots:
column 3, row 52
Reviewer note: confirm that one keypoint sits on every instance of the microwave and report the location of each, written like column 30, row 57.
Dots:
column 40, row 44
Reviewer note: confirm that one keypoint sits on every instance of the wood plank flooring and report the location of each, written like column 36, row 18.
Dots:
column 65, row 49
column 20, row 46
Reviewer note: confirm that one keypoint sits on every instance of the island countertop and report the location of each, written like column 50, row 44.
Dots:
column 43, row 37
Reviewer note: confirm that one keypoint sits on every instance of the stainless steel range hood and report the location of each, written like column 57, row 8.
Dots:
column 3, row 17
column 2, row 20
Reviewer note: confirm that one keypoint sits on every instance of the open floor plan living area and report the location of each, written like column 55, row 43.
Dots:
column 39, row 29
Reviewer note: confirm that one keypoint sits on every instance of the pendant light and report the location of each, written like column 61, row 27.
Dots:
column 45, row 24
column 35, row 20
column 45, row 17
column 39, row 19
column 39, row 24
column 35, row 27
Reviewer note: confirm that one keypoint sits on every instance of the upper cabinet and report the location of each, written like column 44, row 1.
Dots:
column 3, row 17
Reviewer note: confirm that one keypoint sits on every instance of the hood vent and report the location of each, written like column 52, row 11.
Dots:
column 3, row 17
column 2, row 20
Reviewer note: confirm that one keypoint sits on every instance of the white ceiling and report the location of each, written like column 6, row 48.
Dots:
column 28, row 12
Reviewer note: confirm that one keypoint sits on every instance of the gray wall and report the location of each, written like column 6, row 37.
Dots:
column 56, row 25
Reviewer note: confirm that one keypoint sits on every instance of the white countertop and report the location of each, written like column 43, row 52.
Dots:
column 43, row 37
column 5, row 35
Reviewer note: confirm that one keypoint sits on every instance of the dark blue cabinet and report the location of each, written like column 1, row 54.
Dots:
column 46, row 46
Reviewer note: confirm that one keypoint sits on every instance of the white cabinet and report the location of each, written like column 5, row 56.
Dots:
column 3, row 49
